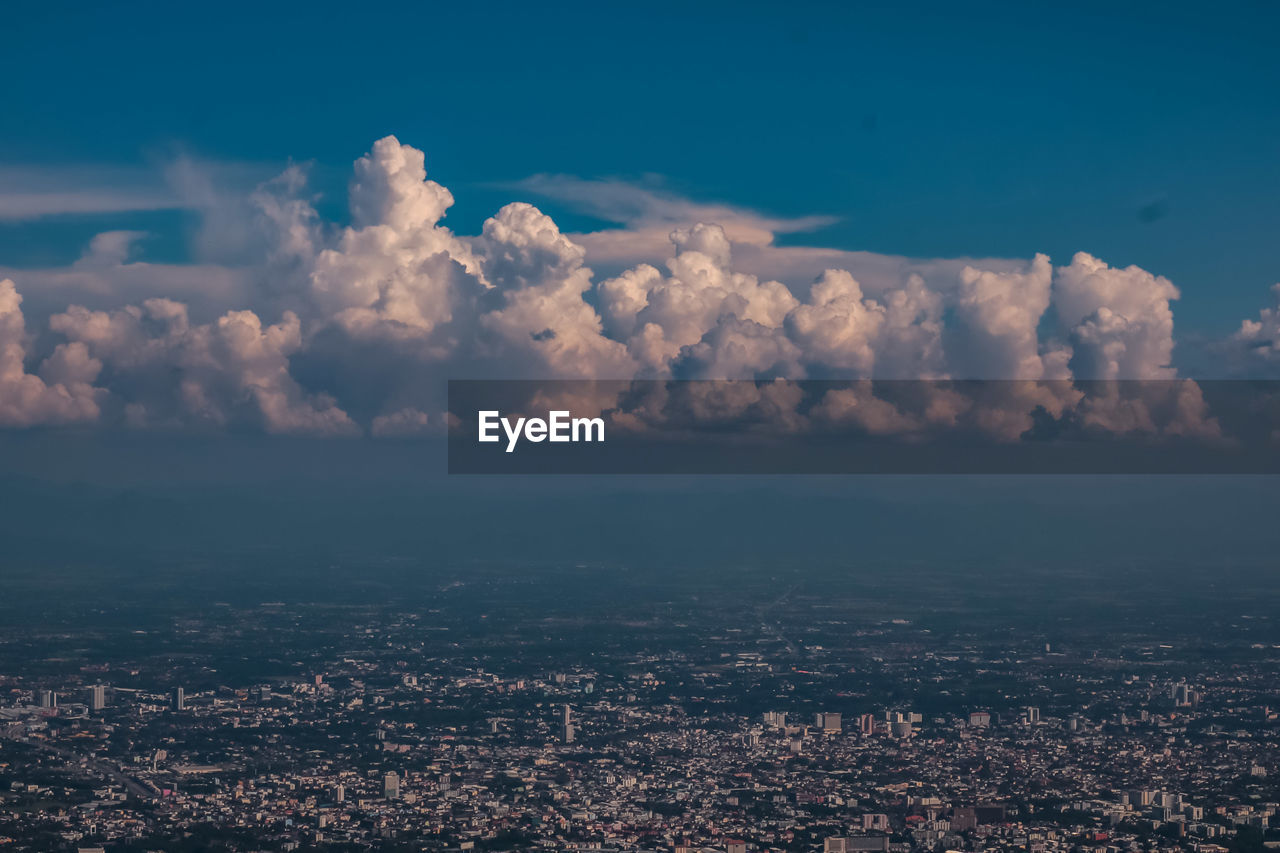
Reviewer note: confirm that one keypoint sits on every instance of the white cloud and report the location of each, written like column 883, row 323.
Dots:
column 1257, row 342
column 651, row 214
column 63, row 394
column 1120, row 320
column 543, row 316
column 374, row 315
column 230, row 372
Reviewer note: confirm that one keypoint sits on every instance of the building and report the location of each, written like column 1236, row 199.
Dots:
column 856, row 844
column 97, row 697
column 828, row 721
column 179, row 699
column 48, row 699
column 391, row 786
column 980, row 719
column 566, row 724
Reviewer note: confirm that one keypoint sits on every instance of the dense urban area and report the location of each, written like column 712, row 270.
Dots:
column 604, row 708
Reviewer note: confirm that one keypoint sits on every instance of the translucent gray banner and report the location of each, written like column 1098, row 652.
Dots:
column 863, row 427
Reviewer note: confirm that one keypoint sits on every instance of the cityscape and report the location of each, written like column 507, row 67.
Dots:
column 502, row 710
column 714, row 426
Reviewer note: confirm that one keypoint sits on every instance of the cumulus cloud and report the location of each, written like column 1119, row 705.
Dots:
column 1257, row 342
column 64, row 393
column 396, row 272
column 1120, row 320
column 375, row 313
column 231, row 372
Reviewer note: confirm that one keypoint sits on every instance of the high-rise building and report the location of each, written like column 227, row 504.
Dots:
column 867, row 724
column 979, row 718
column 566, row 724
column 48, row 699
column 179, row 699
column 775, row 719
column 391, row 786
column 339, row 793
column 1033, row 715
column 97, row 697
column 828, row 721
column 856, row 844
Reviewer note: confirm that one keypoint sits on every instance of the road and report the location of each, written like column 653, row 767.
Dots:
column 135, row 787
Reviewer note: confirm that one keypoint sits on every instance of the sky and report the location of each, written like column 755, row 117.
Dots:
column 926, row 153
column 1142, row 134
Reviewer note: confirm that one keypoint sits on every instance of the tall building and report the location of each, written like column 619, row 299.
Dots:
column 97, row 697
column 339, row 793
column 856, row 844
column 1182, row 695
column 566, row 724
column 179, row 699
column 828, row 721
column 391, row 786
column 867, row 724
column 775, row 719
column 48, row 699
column 980, row 718
column 1033, row 715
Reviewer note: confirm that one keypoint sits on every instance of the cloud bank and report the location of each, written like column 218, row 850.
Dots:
column 297, row 325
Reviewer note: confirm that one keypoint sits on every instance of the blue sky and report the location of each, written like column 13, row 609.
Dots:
column 1141, row 133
